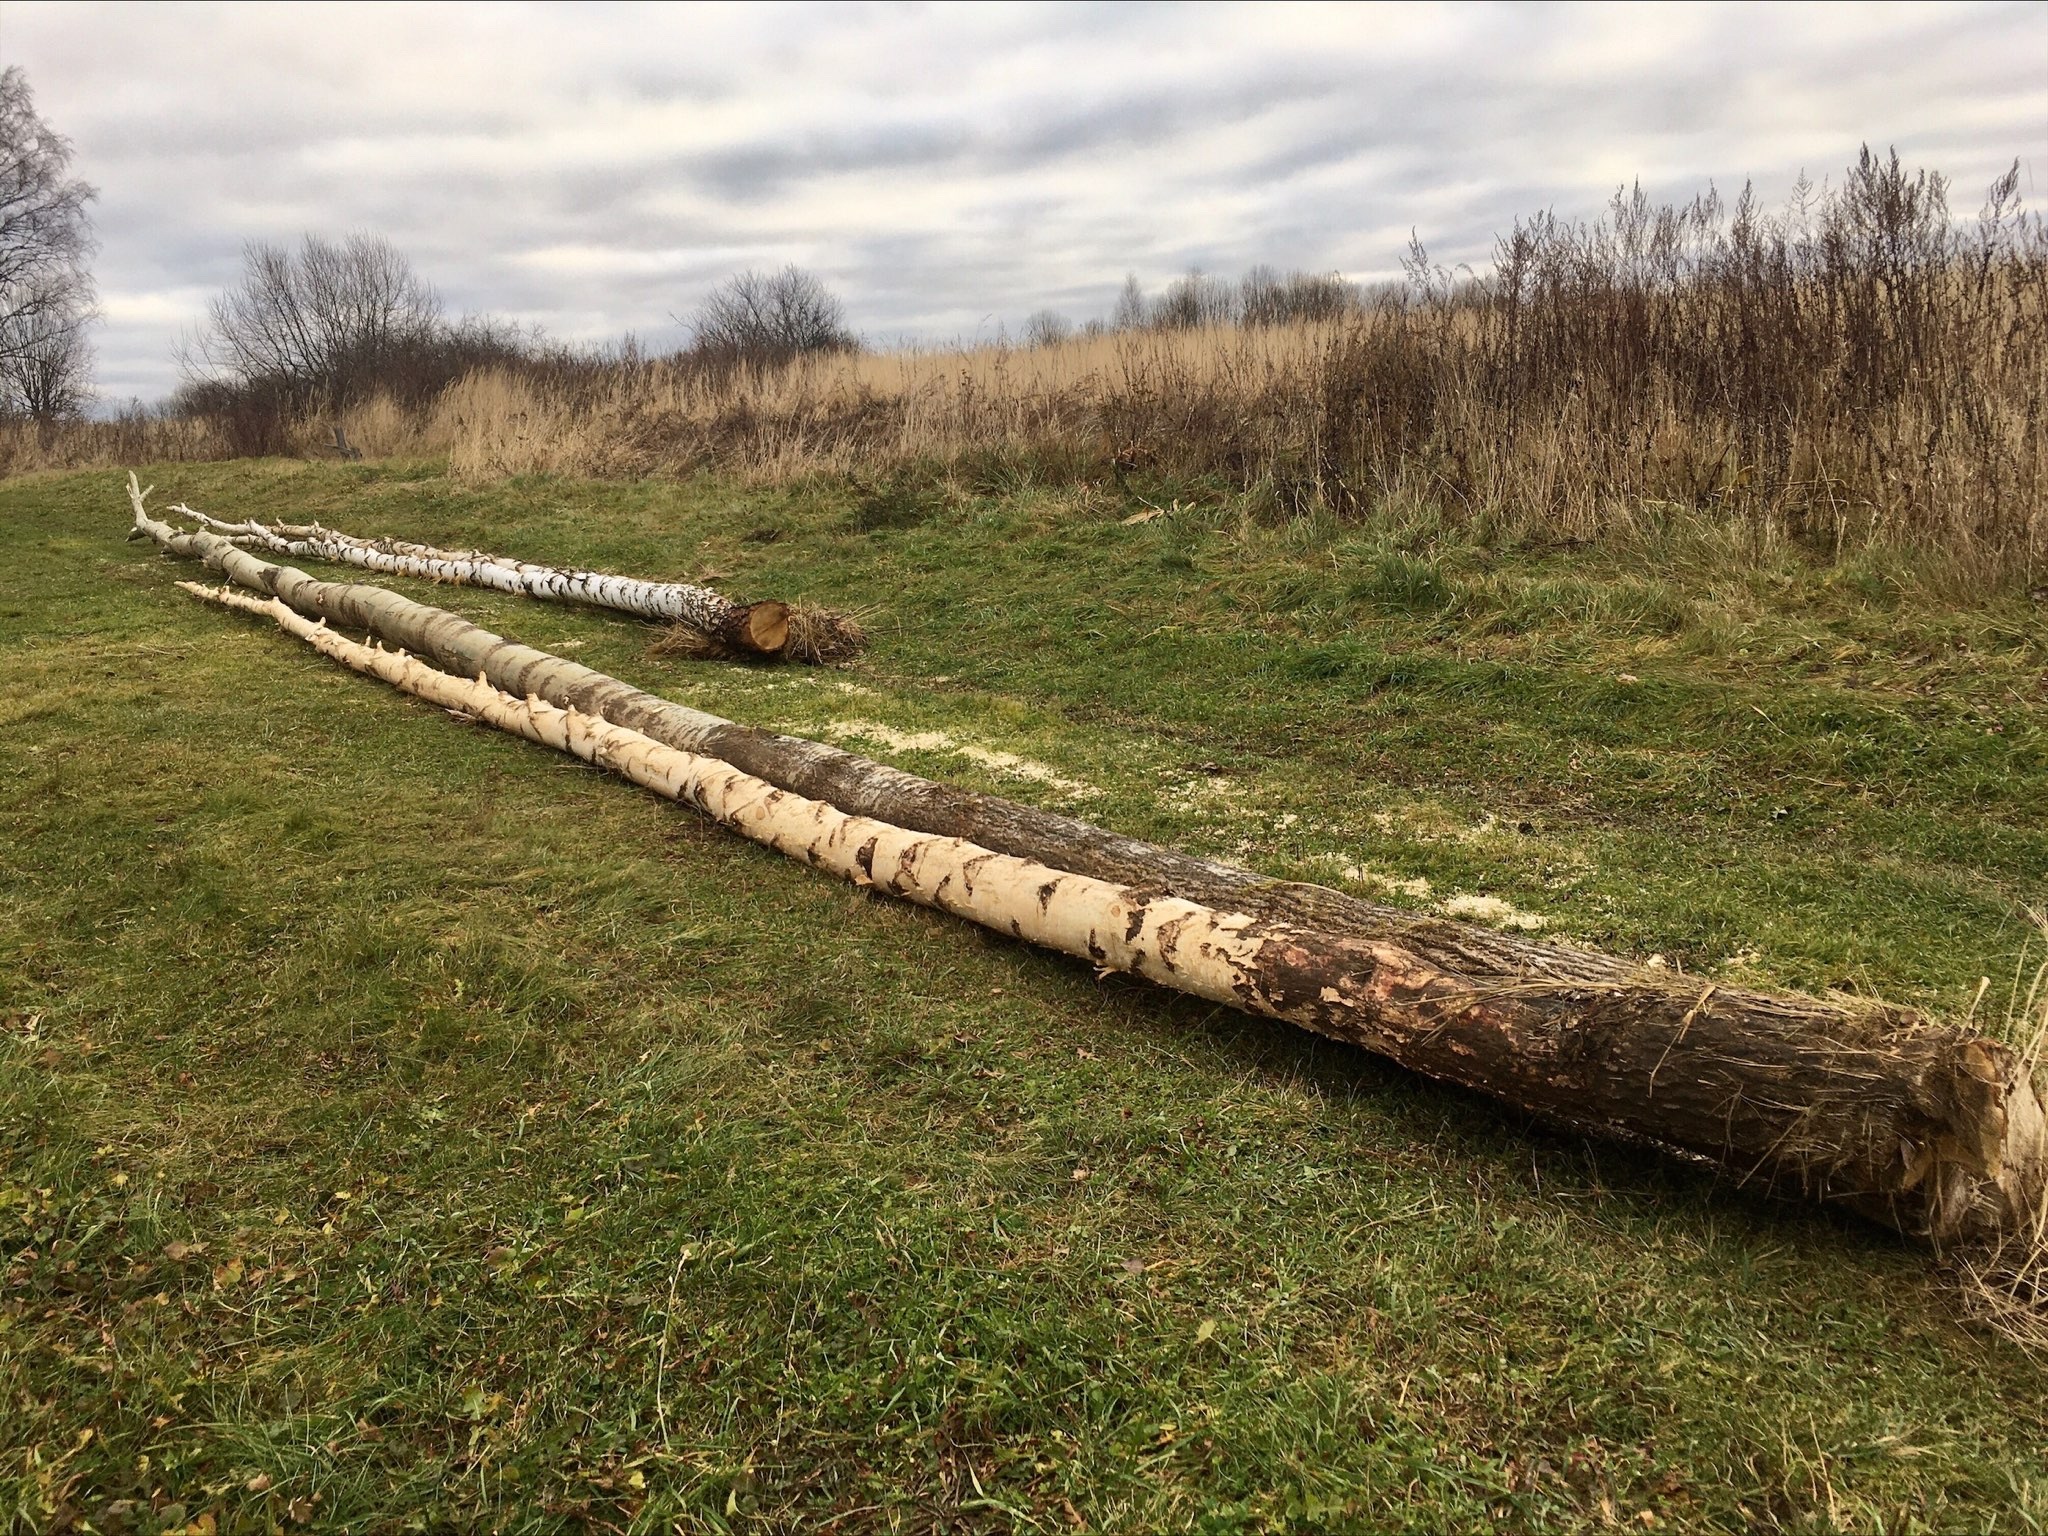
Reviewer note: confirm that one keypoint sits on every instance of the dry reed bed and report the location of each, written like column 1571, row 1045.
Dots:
column 1862, row 368
column 1321, row 418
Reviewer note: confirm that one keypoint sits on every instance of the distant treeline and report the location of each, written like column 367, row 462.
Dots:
column 1860, row 364
column 333, row 324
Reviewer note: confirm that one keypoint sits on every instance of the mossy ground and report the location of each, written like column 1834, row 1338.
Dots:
column 403, row 1127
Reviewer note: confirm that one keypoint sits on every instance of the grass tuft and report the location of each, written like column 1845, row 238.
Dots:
column 824, row 635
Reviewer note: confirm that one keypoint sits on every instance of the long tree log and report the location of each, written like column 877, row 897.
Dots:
column 760, row 629
column 1934, row 1132
column 861, row 785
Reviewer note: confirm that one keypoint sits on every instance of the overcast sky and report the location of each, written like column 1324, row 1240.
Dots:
column 596, row 168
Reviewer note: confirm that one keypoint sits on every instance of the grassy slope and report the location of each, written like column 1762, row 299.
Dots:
column 399, row 1122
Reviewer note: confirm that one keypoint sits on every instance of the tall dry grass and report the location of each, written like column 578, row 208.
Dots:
column 1862, row 368
column 1081, row 406
column 377, row 428
column 30, row 445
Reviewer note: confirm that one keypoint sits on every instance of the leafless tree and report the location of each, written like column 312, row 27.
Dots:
column 1266, row 297
column 46, row 294
column 1131, row 308
column 46, row 358
column 767, row 317
column 1194, row 301
column 331, row 321
column 1047, row 328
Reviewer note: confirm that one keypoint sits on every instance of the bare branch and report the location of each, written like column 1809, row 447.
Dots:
column 759, row 317
column 327, row 321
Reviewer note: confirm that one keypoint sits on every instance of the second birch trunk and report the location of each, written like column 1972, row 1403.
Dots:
column 759, row 629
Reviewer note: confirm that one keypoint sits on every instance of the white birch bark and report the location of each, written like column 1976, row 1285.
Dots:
column 1179, row 944
column 762, row 628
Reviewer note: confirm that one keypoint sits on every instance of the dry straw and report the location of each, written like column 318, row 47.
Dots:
column 1862, row 368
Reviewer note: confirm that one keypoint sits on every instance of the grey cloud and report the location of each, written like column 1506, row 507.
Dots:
column 755, row 172
column 954, row 168
column 1152, row 115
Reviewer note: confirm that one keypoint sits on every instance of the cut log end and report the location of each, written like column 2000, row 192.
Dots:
column 763, row 628
column 1978, row 1154
column 769, row 631
column 2016, row 1142
column 757, row 632
column 1998, row 1225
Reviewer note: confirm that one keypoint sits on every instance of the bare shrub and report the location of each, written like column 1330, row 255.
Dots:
column 1265, row 297
column 308, row 335
column 1047, row 328
column 324, row 320
column 768, row 318
column 1131, row 310
column 1192, row 302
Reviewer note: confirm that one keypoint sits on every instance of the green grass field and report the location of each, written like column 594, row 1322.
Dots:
column 402, row 1127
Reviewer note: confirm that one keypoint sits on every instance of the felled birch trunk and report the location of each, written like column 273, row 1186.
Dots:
column 1224, row 957
column 1939, row 1134
column 759, row 629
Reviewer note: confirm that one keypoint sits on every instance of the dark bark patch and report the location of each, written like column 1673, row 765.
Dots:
column 972, row 868
column 1169, row 940
column 1135, row 923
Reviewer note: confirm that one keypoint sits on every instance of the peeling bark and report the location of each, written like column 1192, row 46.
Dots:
column 1936, row 1133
